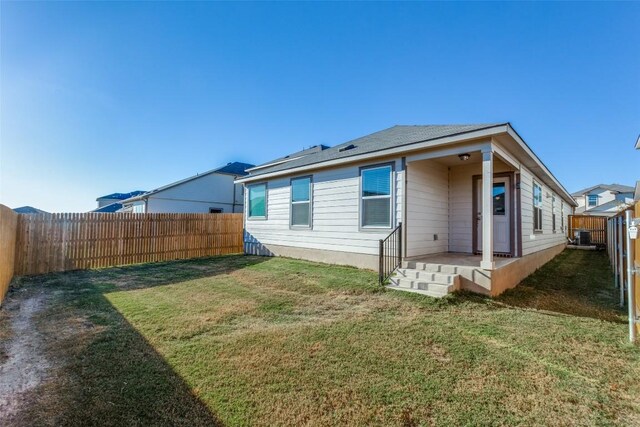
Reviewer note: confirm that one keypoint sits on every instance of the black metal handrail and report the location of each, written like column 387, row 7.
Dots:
column 390, row 255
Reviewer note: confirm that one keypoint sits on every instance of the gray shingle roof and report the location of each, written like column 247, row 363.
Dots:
column 396, row 136
column 304, row 152
column 618, row 188
column 110, row 208
column 234, row 168
column 29, row 210
column 121, row 196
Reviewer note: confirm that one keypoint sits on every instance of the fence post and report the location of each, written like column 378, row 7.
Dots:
column 621, row 258
column 630, row 271
column 380, row 260
column 400, row 243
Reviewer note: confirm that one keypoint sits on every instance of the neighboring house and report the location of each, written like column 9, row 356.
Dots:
column 110, row 208
column 115, row 197
column 450, row 186
column 209, row 192
column 603, row 199
column 28, row 210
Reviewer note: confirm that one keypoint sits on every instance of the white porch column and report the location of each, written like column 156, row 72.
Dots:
column 487, row 210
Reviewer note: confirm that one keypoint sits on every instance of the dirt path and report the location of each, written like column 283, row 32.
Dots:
column 26, row 365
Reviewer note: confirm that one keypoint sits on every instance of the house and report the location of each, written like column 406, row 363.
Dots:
column 29, row 210
column 450, row 186
column 603, row 199
column 209, row 192
column 112, row 198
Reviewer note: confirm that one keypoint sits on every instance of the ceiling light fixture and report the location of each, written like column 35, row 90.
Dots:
column 464, row 157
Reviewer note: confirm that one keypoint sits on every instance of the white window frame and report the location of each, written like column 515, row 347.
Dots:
column 266, row 201
column 309, row 202
column 589, row 196
column 539, row 208
column 391, row 196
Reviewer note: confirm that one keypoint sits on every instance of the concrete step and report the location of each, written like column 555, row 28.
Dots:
column 433, row 268
column 433, row 284
column 425, row 275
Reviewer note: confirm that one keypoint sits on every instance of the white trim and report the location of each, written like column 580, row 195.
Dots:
column 436, row 154
column 539, row 163
column 504, row 156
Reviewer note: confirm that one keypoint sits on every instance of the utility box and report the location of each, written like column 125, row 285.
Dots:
column 583, row 237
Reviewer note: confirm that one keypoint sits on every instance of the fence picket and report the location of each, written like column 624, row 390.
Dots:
column 60, row 242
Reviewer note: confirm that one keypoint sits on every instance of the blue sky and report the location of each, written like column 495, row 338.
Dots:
column 113, row 97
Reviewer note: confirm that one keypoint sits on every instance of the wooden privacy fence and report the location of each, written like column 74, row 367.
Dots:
column 60, row 242
column 596, row 225
column 8, row 227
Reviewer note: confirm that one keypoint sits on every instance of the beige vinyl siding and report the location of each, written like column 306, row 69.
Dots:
column 335, row 213
column 534, row 242
column 427, row 208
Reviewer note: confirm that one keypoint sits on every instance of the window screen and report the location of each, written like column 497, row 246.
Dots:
column 376, row 197
column 301, row 202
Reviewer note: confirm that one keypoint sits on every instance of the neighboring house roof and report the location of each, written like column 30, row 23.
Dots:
column 234, row 168
column 121, row 196
column 616, row 188
column 311, row 150
column 29, row 210
column 403, row 138
column 638, row 143
column 112, row 207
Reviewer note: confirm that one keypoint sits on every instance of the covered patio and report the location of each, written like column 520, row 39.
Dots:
column 463, row 206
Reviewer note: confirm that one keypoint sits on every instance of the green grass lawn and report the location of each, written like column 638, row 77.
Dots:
column 272, row 341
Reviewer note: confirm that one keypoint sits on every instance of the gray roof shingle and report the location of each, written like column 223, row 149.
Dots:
column 121, row 196
column 29, row 210
column 234, row 168
column 396, row 136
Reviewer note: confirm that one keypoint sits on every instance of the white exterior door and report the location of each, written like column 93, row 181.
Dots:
column 501, row 215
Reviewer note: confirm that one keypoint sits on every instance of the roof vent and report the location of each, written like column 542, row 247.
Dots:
column 348, row 147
